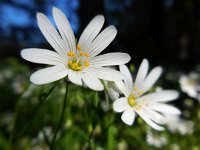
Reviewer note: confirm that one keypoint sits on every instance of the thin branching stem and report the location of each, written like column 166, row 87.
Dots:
column 61, row 117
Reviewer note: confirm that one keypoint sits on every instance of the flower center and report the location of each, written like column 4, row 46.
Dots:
column 77, row 61
column 132, row 100
column 191, row 82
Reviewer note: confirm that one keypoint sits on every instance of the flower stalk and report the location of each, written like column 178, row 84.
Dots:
column 61, row 117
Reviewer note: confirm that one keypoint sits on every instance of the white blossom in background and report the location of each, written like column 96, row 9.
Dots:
column 79, row 61
column 39, row 142
column 18, row 84
column 5, row 74
column 113, row 90
column 149, row 106
column 155, row 139
column 176, row 124
column 190, row 84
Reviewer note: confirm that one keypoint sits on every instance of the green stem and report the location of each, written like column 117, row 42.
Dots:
column 14, row 125
column 43, row 97
column 16, row 111
column 61, row 118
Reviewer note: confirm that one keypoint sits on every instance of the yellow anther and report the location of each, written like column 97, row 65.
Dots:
column 86, row 63
column 70, row 62
column 70, row 53
column 78, row 47
column 86, row 54
column 81, row 53
column 131, row 100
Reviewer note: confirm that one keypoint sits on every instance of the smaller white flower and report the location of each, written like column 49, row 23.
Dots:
column 155, row 140
column 190, row 84
column 149, row 106
column 113, row 90
column 39, row 143
column 176, row 124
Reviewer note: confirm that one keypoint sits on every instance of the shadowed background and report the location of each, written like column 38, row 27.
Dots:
column 167, row 32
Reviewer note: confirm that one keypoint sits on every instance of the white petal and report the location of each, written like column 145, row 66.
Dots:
column 165, row 108
column 129, row 80
column 42, row 56
column 102, row 41
column 156, row 117
column 112, row 93
column 105, row 73
column 49, row 75
column 64, row 29
column 142, row 73
column 90, row 32
column 92, row 83
column 75, row 77
column 123, row 88
column 161, row 96
column 51, row 34
column 110, row 59
column 148, row 120
column 128, row 116
column 152, row 78
column 120, row 104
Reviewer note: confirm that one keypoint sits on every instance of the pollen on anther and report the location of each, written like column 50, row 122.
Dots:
column 86, row 54
column 70, row 53
column 70, row 62
column 78, row 47
column 86, row 64
column 81, row 53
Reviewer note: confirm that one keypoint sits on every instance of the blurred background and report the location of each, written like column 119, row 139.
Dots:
column 166, row 32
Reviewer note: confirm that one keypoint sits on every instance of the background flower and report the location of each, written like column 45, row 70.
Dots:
column 149, row 107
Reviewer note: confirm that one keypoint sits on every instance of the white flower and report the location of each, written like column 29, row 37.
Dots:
column 149, row 106
column 77, row 61
column 38, row 143
column 112, row 90
column 176, row 124
column 156, row 140
column 190, row 84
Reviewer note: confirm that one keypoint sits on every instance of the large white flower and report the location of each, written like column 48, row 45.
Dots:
column 78, row 61
column 148, row 106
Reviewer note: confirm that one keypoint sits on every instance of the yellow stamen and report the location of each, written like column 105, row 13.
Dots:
column 131, row 100
column 86, row 63
column 86, row 54
column 78, row 47
column 81, row 53
column 70, row 62
column 70, row 54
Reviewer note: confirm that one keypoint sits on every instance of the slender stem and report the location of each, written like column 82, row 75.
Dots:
column 43, row 97
column 16, row 112
column 61, row 117
column 14, row 125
